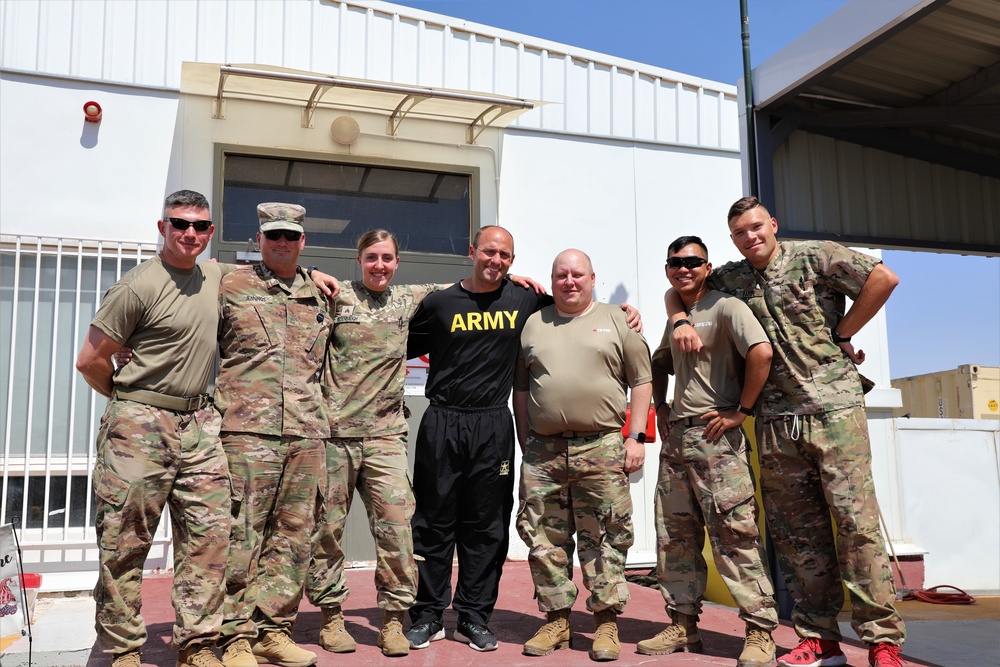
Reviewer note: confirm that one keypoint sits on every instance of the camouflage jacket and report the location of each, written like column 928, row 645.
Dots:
column 365, row 368
column 272, row 340
column 799, row 298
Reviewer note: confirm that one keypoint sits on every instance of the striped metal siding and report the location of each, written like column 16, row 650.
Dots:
column 827, row 187
column 143, row 42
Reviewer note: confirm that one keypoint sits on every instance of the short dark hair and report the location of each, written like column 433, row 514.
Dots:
column 184, row 199
column 686, row 241
column 743, row 205
column 479, row 233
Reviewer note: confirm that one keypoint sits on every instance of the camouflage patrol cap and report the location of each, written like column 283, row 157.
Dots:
column 274, row 215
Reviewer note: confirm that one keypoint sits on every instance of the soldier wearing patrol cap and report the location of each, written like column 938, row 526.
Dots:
column 274, row 325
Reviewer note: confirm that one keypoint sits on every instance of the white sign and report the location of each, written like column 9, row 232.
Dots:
column 416, row 376
column 12, row 614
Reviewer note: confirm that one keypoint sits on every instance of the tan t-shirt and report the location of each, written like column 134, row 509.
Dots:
column 170, row 318
column 712, row 378
column 577, row 369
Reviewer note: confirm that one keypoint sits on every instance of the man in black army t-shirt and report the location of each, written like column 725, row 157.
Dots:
column 463, row 476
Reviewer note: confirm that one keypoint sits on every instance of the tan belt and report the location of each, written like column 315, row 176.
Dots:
column 165, row 401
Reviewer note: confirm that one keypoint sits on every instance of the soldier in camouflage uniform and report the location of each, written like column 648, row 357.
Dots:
column 159, row 440
column 705, row 478
column 577, row 360
column 812, row 431
column 365, row 371
column 272, row 336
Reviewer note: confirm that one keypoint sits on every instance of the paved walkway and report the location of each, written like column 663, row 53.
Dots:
column 63, row 632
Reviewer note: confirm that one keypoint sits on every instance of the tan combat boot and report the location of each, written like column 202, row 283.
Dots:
column 606, row 645
column 391, row 639
column 277, row 648
column 552, row 636
column 239, row 654
column 130, row 659
column 334, row 636
column 681, row 635
column 197, row 656
column 758, row 649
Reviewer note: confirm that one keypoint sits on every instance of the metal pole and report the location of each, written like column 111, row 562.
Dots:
column 748, row 102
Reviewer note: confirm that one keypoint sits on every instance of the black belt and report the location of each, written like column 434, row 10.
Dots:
column 584, row 434
column 688, row 422
column 164, row 401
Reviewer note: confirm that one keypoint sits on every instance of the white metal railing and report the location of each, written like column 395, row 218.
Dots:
column 50, row 289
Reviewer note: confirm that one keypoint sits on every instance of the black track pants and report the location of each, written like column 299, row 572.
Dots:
column 463, row 481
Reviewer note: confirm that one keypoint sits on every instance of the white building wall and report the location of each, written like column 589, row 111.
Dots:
column 628, row 157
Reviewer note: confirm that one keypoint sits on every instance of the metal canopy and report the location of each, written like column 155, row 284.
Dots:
column 881, row 126
column 477, row 110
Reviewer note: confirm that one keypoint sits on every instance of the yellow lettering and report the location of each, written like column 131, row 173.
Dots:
column 493, row 320
column 475, row 321
column 457, row 323
column 511, row 317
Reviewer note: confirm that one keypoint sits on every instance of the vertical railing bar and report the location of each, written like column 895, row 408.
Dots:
column 53, row 354
column 91, row 396
column 32, row 356
column 71, row 429
column 10, row 380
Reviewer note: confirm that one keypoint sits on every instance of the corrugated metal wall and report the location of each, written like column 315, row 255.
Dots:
column 824, row 186
column 143, row 42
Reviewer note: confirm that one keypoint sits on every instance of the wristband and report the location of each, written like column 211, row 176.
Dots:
column 838, row 339
column 638, row 437
column 660, row 405
column 310, row 269
column 681, row 322
column 747, row 411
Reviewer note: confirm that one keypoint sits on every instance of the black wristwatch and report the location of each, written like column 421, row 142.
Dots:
column 838, row 339
column 680, row 322
column 747, row 411
column 310, row 269
column 640, row 437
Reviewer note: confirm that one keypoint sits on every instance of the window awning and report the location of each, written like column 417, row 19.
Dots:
column 311, row 91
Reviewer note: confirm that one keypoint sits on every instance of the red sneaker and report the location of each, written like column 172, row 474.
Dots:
column 884, row 655
column 813, row 652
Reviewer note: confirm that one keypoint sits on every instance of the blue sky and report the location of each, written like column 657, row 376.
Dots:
column 946, row 310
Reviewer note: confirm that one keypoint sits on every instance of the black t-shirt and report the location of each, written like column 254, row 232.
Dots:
column 472, row 339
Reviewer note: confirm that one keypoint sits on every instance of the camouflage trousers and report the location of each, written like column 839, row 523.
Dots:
column 148, row 458
column 812, row 466
column 709, row 485
column 281, row 483
column 576, row 485
column 377, row 468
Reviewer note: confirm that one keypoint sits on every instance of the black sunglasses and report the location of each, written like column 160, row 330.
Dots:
column 276, row 234
column 685, row 262
column 182, row 224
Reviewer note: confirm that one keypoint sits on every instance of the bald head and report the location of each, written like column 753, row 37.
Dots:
column 572, row 282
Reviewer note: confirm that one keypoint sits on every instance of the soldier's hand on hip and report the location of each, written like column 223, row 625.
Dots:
column 720, row 421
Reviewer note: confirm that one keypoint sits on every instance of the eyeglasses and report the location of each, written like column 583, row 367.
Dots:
column 181, row 224
column 276, row 234
column 685, row 262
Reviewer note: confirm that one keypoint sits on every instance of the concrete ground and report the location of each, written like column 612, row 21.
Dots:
column 938, row 635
